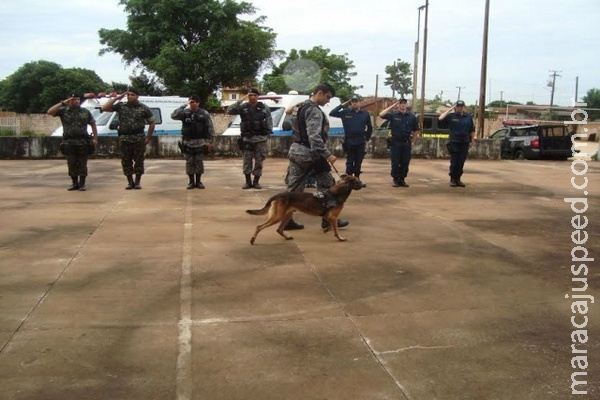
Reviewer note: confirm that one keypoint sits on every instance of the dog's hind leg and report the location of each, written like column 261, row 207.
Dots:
column 269, row 222
column 287, row 218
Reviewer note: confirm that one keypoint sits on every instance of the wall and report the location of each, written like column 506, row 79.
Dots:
column 47, row 147
column 44, row 124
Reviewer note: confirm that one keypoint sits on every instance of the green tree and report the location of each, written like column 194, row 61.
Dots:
column 148, row 86
column 37, row 85
column 592, row 98
column 192, row 46
column 498, row 103
column 399, row 77
column 334, row 69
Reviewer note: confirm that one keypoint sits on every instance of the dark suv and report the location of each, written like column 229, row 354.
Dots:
column 534, row 142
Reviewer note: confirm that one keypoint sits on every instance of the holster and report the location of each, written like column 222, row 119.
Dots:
column 243, row 145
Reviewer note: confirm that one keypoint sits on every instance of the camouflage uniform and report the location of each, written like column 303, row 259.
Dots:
column 197, row 131
column 310, row 155
column 75, row 138
column 132, row 122
column 260, row 126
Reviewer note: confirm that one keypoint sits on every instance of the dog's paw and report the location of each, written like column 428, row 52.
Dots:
column 289, row 238
column 252, row 240
column 342, row 239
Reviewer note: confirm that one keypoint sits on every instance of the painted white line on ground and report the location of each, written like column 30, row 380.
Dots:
column 184, row 327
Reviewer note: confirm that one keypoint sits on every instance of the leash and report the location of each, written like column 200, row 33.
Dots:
column 335, row 169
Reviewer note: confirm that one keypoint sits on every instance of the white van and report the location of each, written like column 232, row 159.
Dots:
column 107, row 122
column 277, row 103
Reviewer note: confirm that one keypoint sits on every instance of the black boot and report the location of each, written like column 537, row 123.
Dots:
column 293, row 225
column 248, row 183
column 82, row 183
column 453, row 181
column 459, row 182
column 75, row 185
column 138, row 178
column 255, row 184
column 402, row 183
column 199, row 183
column 130, row 183
column 340, row 223
column 191, row 184
column 361, row 183
column 396, row 183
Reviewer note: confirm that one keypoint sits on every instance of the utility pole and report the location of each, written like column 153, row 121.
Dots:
column 422, row 114
column 481, row 112
column 553, row 74
column 576, row 87
column 459, row 87
column 416, row 60
column 395, row 73
column 501, row 102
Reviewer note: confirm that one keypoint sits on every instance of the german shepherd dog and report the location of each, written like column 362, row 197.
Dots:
column 281, row 206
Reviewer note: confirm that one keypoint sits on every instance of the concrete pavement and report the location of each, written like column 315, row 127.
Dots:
column 440, row 293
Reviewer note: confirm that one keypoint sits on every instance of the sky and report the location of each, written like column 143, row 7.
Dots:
column 528, row 40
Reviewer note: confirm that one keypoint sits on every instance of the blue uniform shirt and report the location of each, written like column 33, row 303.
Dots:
column 357, row 124
column 460, row 126
column 402, row 124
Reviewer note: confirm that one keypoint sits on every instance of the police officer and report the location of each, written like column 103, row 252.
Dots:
column 462, row 136
column 76, row 140
column 197, row 133
column 357, row 132
column 405, row 129
column 133, row 117
column 308, row 151
column 256, row 126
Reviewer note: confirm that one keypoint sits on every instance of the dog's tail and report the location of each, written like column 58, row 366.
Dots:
column 263, row 210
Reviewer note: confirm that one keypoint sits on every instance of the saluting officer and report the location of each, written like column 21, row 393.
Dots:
column 133, row 117
column 197, row 132
column 76, row 140
column 256, row 126
column 405, row 129
column 462, row 135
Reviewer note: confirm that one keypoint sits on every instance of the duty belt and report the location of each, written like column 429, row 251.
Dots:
column 305, row 144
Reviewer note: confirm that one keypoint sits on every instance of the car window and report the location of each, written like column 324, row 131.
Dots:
column 157, row 115
column 499, row 134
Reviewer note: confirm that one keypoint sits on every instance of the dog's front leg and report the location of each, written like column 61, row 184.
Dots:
column 333, row 223
column 282, row 226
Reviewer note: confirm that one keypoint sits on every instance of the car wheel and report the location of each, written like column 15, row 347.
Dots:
column 519, row 155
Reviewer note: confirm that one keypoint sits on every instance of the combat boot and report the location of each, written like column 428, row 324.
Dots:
column 396, row 183
column 248, row 183
column 293, row 225
column 402, row 183
column 459, row 182
column 255, row 184
column 130, row 183
column 453, row 182
column 199, row 183
column 191, row 184
column 340, row 223
column 137, row 184
column 75, row 185
column 82, row 183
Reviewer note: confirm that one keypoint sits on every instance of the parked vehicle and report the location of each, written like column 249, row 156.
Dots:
column 432, row 127
column 282, row 126
column 534, row 142
column 108, row 122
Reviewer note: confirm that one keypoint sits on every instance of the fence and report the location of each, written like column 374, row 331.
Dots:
column 10, row 124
